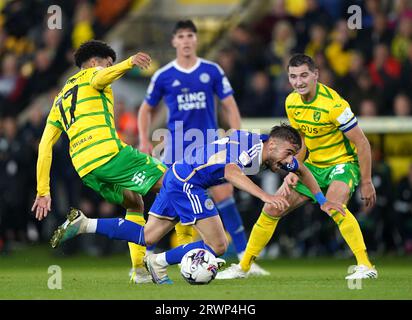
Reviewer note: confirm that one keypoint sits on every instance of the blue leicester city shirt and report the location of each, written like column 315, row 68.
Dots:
column 189, row 96
column 207, row 167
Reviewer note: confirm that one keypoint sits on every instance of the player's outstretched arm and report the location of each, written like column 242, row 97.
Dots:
column 237, row 178
column 42, row 203
column 105, row 76
column 368, row 192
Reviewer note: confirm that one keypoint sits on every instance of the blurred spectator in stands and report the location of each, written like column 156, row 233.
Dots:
column 13, row 182
column 21, row 15
column 249, row 51
column 227, row 59
column 402, row 105
column 385, row 74
column 259, row 100
column 403, row 208
column 127, row 125
column 371, row 8
column 57, row 44
column 265, row 27
column 282, row 46
column 406, row 72
column 280, row 82
column 30, row 134
column 363, row 89
column 314, row 14
column 348, row 83
column 378, row 223
column 107, row 13
column 327, row 77
column 11, row 85
column 403, row 37
column 83, row 24
column 43, row 77
column 317, row 40
column 370, row 37
column 367, row 108
column 339, row 50
column 284, row 40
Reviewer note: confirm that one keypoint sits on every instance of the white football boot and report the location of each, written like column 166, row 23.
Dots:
column 75, row 224
column 363, row 272
column 257, row 271
column 233, row 272
column 158, row 272
column 139, row 275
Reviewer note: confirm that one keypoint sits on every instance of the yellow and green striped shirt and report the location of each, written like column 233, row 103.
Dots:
column 323, row 122
column 83, row 109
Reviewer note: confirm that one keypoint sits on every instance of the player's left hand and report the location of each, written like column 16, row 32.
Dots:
column 368, row 194
column 289, row 181
column 42, row 205
column 330, row 206
column 142, row 60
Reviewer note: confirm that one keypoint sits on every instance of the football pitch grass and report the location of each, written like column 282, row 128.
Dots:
column 24, row 275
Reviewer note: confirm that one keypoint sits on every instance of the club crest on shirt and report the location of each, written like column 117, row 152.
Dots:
column 204, row 77
column 209, row 205
column 316, row 116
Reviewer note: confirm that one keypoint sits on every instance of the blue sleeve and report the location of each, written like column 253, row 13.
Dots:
column 221, row 84
column 291, row 167
column 248, row 151
column 154, row 92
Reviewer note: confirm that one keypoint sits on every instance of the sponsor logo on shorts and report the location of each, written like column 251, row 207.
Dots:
column 139, row 178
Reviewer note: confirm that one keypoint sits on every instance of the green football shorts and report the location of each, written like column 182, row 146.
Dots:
column 129, row 169
column 345, row 172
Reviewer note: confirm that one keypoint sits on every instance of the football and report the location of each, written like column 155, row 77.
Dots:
column 198, row 266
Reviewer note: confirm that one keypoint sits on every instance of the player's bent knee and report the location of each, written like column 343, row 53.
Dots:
column 271, row 210
column 219, row 247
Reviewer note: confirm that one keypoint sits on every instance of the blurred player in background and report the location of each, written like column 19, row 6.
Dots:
column 183, row 195
column 84, row 111
column 339, row 159
column 189, row 85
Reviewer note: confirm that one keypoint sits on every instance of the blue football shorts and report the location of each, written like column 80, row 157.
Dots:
column 182, row 200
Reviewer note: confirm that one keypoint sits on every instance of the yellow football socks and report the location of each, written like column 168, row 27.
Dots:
column 184, row 234
column 261, row 233
column 137, row 252
column 351, row 232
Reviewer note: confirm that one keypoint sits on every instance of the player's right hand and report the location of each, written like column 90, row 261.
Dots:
column 278, row 201
column 142, row 60
column 288, row 182
column 330, row 207
column 42, row 205
column 146, row 147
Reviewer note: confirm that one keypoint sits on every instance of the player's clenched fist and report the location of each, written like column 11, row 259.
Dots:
column 142, row 60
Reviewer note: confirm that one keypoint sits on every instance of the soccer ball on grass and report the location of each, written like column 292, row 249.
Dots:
column 198, row 266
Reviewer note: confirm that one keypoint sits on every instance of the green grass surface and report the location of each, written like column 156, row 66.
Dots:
column 24, row 275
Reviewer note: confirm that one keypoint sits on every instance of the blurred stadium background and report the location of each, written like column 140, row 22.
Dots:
column 252, row 41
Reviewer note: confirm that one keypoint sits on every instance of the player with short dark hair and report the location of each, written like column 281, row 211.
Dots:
column 339, row 159
column 83, row 109
column 188, row 85
column 183, row 195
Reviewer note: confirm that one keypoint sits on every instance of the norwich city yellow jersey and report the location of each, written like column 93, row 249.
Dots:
column 323, row 122
column 83, row 109
column 86, row 115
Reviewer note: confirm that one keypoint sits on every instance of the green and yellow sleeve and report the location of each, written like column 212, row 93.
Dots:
column 103, row 77
column 50, row 136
